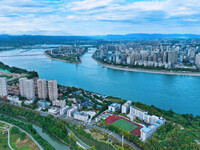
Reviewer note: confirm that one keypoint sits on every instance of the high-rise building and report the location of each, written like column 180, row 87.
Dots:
column 3, row 87
column 30, row 89
column 22, row 86
column 27, row 88
column 42, row 88
column 197, row 60
column 126, row 107
column 52, row 90
column 172, row 57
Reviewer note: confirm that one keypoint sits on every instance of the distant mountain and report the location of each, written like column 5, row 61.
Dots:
column 19, row 40
column 150, row 36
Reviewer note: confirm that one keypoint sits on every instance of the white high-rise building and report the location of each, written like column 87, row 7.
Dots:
column 30, row 89
column 3, row 87
column 22, row 86
column 197, row 60
column 172, row 57
column 139, row 113
column 53, row 90
column 42, row 88
column 126, row 107
column 27, row 88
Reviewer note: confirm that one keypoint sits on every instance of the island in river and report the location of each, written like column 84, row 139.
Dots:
column 67, row 53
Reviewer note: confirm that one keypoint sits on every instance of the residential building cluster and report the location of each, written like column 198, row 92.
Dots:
column 163, row 54
column 44, row 89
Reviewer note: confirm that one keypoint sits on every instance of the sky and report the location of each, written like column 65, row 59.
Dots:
column 99, row 17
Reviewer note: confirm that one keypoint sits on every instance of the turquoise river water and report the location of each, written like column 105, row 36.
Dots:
column 181, row 93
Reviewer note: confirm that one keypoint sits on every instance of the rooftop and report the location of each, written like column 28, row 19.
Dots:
column 114, row 104
column 145, row 129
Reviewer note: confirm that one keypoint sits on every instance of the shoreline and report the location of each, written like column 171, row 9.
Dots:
column 61, row 59
column 166, row 72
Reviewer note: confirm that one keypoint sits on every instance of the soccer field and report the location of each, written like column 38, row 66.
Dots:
column 125, row 125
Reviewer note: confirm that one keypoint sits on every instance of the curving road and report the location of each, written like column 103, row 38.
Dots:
column 40, row 147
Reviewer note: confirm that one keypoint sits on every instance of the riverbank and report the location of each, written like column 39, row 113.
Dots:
column 148, row 70
column 64, row 60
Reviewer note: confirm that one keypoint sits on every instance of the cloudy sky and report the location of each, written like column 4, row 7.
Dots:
column 99, row 17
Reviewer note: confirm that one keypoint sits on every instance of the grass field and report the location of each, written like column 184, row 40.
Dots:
column 125, row 125
column 20, row 141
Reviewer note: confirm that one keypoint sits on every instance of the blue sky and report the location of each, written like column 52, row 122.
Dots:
column 99, row 17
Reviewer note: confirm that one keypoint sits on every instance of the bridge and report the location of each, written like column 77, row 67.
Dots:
column 22, row 55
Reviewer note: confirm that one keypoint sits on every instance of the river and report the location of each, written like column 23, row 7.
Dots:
column 180, row 93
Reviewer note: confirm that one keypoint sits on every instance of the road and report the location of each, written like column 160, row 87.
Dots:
column 91, row 125
column 8, row 130
column 40, row 147
column 79, row 141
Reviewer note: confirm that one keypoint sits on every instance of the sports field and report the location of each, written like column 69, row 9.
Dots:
column 125, row 125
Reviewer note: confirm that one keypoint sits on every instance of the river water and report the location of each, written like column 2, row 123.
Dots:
column 181, row 93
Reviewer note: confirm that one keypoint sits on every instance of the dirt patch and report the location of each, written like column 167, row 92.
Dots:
column 21, row 143
column 34, row 146
column 18, row 140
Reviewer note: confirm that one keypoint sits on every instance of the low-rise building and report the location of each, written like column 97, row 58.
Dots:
column 53, row 111
column 81, row 116
column 71, row 111
column 14, row 100
column 114, row 107
column 59, row 103
column 64, row 110
column 43, row 104
column 126, row 107
column 148, row 132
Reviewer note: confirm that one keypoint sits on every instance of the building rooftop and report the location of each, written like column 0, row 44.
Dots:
column 127, row 103
column 159, row 121
column 145, row 129
column 138, row 109
column 114, row 104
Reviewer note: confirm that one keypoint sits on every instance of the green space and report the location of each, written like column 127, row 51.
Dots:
column 89, row 140
column 3, row 140
column 125, row 125
column 8, row 77
column 6, row 71
column 20, row 141
column 28, row 128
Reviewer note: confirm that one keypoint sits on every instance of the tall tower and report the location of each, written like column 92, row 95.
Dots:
column 42, row 88
column 52, row 90
column 30, row 89
column 27, row 88
column 3, row 87
column 22, row 86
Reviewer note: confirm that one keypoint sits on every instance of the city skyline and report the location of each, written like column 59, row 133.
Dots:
column 86, row 17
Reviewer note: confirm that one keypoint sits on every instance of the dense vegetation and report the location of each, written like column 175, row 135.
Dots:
column 28, row 128
column 30, row 74
column 88, row 139
column 56, row 127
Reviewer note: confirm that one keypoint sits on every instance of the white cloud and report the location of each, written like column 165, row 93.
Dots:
column 88, row 16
